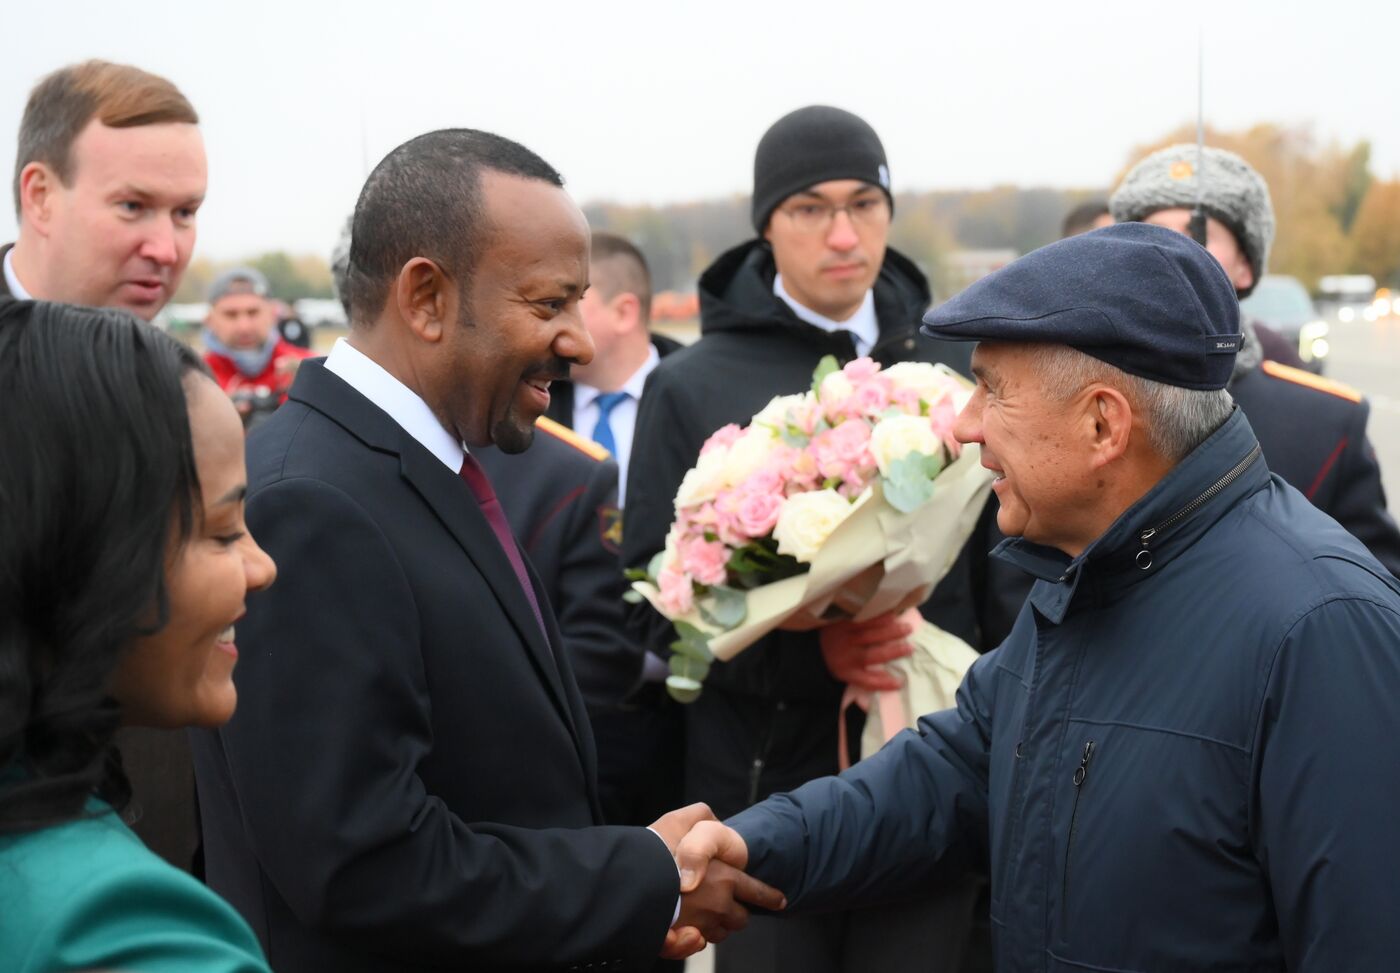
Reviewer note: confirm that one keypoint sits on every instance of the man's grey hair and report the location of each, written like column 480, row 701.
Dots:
column 1177, row 419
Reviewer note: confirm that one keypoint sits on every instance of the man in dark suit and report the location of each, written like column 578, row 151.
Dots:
column 109, row 175
column 409, row 783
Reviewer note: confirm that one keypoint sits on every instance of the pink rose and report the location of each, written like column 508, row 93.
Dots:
column 704, row 560
column 839, row 450
column 871, row 398
column 721, row 438
column 758, row 512
column 677, row 592
column 725, row 517
column 861, row 369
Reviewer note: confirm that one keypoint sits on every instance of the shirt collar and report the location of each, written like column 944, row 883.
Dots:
column 585, row 394
column 17, row 290
column 863, row 324
column 402, row 404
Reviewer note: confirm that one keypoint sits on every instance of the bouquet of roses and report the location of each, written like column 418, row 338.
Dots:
column 850, row 500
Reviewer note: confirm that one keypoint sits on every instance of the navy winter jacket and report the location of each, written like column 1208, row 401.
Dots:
column 1185, row 756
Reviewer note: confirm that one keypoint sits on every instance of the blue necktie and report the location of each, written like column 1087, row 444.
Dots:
column 602, row 432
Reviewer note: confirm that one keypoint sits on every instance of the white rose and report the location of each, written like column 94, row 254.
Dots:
column 898, row 436
column 748, row 453
column 775, row 412
column 704, row 481
column 926, row 380
column 835, row 388
column 807, row 520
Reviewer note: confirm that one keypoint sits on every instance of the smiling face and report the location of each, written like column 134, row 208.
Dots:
column 182, row 675
column 121, row 234
column 829, row 266
column 520, row 325
column 1045, row 471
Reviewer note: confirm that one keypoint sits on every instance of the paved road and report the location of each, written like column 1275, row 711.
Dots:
column 1366, row 356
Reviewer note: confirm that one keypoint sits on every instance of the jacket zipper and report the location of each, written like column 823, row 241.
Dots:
column 760, row 759
column 1080, row 774
column 1144, row 556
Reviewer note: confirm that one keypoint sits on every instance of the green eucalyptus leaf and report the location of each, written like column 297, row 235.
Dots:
column 688, row 668
column 632, row 597
column 654, row 566
column 793, row 436
column 825, row 367
column 729, row 606
column 682, row 690
column 909, row 484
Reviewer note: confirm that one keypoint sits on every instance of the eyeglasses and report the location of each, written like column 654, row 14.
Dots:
column 818, row 217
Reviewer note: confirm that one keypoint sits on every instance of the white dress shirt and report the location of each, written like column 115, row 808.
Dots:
column 863, row 325
column 368, row 377
column 12, row 281
column 622, row 420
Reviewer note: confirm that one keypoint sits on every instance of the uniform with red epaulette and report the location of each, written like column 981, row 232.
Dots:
column 1314, row 436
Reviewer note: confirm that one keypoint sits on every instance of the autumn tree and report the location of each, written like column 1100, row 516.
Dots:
column 1376, row 233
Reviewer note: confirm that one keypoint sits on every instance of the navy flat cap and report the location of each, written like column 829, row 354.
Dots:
column 1143, row 298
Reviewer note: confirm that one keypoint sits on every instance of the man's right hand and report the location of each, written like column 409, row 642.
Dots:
column 712, row 888
column 855, row 652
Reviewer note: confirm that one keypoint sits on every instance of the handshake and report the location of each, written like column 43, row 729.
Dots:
column 711, row 859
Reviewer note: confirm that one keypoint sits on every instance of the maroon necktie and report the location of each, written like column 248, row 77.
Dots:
column 480, row 486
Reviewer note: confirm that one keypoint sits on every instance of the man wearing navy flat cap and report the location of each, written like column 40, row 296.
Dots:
column 1181, row 758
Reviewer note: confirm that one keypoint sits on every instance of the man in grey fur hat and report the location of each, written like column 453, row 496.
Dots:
column 1313, row 430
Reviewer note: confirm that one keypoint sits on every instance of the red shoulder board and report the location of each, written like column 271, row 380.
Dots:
column 1300, row 377
column 560, row 431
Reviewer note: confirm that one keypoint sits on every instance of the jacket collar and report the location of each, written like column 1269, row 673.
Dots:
column 1184, row 504
column 736, row 292
column 450, row 500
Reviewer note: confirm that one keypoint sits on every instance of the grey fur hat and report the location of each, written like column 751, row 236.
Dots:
column 1232, row 191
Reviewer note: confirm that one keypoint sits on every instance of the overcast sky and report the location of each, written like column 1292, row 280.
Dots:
column 664, row 101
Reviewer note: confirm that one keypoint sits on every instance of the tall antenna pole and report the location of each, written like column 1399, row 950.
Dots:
column 1198, row 214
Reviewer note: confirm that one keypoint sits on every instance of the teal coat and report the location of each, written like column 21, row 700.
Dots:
column 88, row 894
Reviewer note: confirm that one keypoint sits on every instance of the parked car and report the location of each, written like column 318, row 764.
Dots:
column 1283, row 304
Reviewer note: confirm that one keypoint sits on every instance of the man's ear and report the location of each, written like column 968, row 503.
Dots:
column 37, row 185
column 426, row 298
column 629, row 311
column 1109, row 423
column 1244, row 276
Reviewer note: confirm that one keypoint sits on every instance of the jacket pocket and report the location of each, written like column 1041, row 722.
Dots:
column 1081, row 778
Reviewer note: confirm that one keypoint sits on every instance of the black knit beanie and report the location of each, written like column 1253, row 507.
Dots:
column 810, row 146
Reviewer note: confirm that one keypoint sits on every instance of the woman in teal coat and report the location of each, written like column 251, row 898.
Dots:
column 124, row 563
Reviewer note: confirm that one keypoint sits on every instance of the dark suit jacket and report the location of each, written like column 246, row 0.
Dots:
column 5, row 294
column 408, row 783
column 560, row 497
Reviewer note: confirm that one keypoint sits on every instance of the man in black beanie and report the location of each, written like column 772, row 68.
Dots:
column 818, row 280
